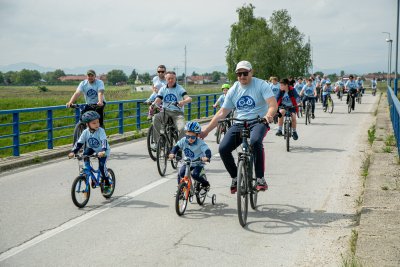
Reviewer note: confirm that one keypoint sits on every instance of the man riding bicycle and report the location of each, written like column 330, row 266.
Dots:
column 168, row 94
column 93, row 91
column 310, row 93
column 252, row 98
column 351, row 87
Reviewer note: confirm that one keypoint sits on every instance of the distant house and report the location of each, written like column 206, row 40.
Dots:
column 200, row 79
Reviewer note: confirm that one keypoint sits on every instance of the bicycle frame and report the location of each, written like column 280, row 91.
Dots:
column 91, row 173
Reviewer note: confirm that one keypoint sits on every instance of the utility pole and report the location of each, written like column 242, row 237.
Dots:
column 185, row 70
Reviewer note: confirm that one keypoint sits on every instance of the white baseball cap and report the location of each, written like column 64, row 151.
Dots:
column 243, row 65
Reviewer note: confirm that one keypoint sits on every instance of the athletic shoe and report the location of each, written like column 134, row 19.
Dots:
column 279, row 133
column 295, row 136
column 312, row 116
column 261, row 184
column 234, row 186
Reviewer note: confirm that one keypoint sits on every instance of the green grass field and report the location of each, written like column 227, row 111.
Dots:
column 19, row 97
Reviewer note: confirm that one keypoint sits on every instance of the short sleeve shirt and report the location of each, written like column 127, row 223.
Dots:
column 158, row 83
column 96, row 140
column 250, row 100
column 221, row 100
column 193, row 151
column 169, row 95
column 91, row 90
column 275, row 88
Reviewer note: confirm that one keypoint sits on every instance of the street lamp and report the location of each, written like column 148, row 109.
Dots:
column 390, row 41
column 389, row 57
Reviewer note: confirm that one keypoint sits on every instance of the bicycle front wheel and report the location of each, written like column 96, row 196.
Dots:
column 287, row 134
column 242, row 195
column 330, row 105
column 181, row 199
column 307, row 115
column 80, row 191
column 151, row 148
column 219, row 132
column 174, row 139
column 162, row 155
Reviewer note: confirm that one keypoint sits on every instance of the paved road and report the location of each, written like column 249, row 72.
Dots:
column 304, row 219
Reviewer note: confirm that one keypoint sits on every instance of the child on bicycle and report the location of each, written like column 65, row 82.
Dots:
column 96, row 142
column 326, row 90
column 193, row 148
column 225, row 87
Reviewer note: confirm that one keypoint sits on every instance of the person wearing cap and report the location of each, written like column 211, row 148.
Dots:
column 326, row 90
column 252, row 98
column 351, row 87
column 93, row 91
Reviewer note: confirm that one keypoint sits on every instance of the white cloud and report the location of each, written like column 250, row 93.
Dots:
column 146, row 33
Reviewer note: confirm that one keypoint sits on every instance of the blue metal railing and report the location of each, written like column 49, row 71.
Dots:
column 394, row 106
column 18, row 129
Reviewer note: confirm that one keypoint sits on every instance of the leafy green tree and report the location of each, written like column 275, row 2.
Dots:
column 1, row 78
column 216, row 76
column 145, row 78
column 320, row 73
column 195, row 74
column 9, row 77
column 116, row 76
column 27, row 77
column 342, row 73
column 275, row 49
column 132, row 77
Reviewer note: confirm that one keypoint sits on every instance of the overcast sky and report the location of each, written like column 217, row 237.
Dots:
column 65, row 34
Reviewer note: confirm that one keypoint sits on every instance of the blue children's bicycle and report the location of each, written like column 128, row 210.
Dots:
column 89, row 177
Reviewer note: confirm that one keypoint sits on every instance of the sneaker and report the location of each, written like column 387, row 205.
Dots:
column 312, row 116
column 107, row 189
column 234, row 186
column 261, row 184
column 295, row 136
column 279, row 133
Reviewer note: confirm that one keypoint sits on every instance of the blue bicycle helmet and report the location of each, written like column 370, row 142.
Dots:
column 90, row 116
column 193, row 126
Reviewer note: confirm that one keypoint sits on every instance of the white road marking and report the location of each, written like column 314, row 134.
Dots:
column 65, row 226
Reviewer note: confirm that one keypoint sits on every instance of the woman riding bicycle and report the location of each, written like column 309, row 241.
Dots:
column 193, row 148
column 252, row 98
column 287, row 97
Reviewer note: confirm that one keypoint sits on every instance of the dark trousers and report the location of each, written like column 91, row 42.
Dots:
column 351, row 94
column 232, row 140
column 312, row 100
column 102, row 162
column 195, row 172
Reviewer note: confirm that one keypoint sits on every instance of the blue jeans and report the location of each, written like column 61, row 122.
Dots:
column 102, row 162
column 195, row 172
column 232, row 140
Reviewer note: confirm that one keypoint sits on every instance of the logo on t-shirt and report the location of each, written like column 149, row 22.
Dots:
column 93, row 142
column 188, row 153
column 245, row 103
column 309, row 91
column 91, row 93
column 170, row 98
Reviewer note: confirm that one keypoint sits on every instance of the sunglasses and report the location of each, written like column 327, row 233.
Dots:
column 245, row 74
column 193, row 137
column 161, row 71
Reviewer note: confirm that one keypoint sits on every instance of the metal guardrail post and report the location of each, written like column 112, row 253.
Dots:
column 189, row 116
column 77, row 115
column 215, row 100
column 198, row 106
column 121, row 118
column 16, row 134
column 206, row 105
column 138, row 115
column 50, row 129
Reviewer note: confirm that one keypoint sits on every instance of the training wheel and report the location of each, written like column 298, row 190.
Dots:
column 214, row 199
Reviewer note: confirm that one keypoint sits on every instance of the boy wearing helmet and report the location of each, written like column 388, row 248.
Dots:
column 96, row 142
column 326, row 90
column 193, row 148
column 225, row 87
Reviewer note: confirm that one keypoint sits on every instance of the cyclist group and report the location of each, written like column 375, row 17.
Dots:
column 250, row 97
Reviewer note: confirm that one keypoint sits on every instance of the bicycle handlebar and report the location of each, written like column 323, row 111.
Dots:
column 258, row 119
column 189, row 160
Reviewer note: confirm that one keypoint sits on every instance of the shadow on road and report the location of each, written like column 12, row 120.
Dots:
column 308, row 149
column 123, row 155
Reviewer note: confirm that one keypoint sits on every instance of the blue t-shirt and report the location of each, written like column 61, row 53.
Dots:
column 340, row 83
column 169, row 95
column 221, row 100
column 328, row 90
column 309, row 90
column 158, row 83
column 275, row 88
column 249, row 101
column 152, row 97
column 298, row 87
column 351, row 85
column 373, row 83
column 193, row 151
column 91, row 90
column 286, row 100
column 96, row 140
column 360, row 83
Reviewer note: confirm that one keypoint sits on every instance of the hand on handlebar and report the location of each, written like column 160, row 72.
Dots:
column 205, row 159
column 71, row 155
column 171, row 156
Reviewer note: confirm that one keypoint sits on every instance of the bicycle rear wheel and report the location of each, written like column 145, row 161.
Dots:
column 151, row 144
column 111, row 180
column 162, row 155
column 219, row 132
column 307, row 115
column 79, row 128
column 201, row 195
column 253, row 190
column 80, row 191
column 174, row 139
column 181, row 199
column 242, row 196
